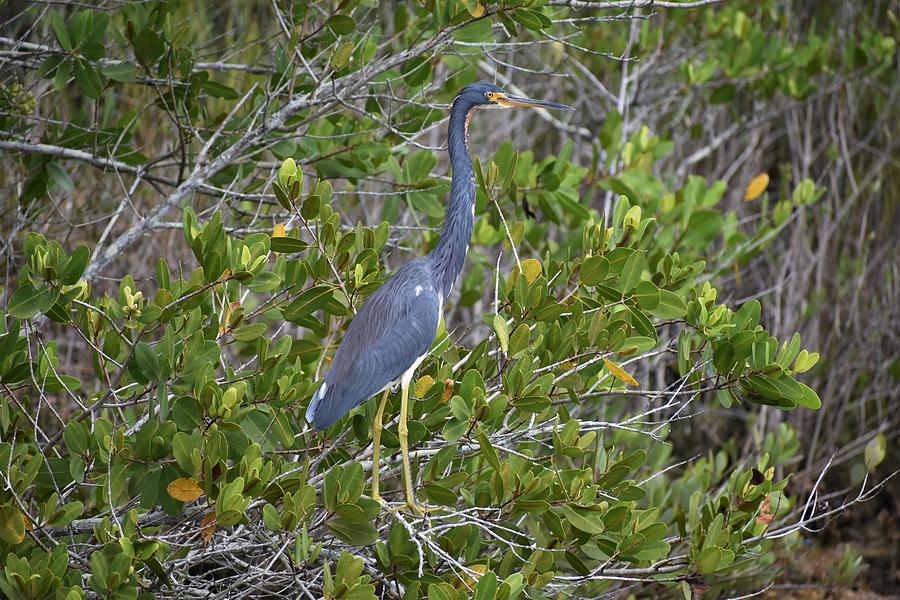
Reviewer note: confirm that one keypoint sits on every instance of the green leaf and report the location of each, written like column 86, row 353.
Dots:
column 60, row 178
column 60, row 31
column 535, row 507
column 789, row 351
column 487, row 587
column 518, row 341
column 615, row 474
column 341, row 55
column 437, row 592
column 747, row 317
column 75, row 437
column 647, row 295
column 708, row 561
column 182, row 447
column 531, row 19
column 341, row 24
column 488, row 451
column 671, row 306
column 148, row 46
column 631, row 271
column 805, row 361
column 502, row 331
column 249, row 332
column 154, row 565
column 568, row 200
column 594, row 270
column 27, row 301
column 586, row 520
column 576, row 563
column 632, row 544
column 439, row 494
column 461, row 410
column 220, row 90
column 147, row 361
column 288, row 245
column 809, row 399
column 723, row 357
column 477, row 31
column 123, row 72
column 354, row 532
column 74, row 269
column 88, row 79
column 69, row 512
column 310, row 208
column 308, row 301
column 271, row 518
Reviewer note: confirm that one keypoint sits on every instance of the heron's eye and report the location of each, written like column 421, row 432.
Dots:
column 489, row 95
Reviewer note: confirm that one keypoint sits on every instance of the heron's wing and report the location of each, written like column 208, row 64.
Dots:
column 393, row 330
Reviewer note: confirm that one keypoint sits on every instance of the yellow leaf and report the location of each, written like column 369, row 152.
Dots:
column 875, row 451
column 184, row 489
column 757, row 187
column 208, row 526
column 279, row 230
column 619, row 373
column 531, row 268
column 12, row 525
column 469, row 579
column 474, row 7
column 423, row 385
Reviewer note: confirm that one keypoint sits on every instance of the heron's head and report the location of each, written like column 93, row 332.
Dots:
column 487, row 95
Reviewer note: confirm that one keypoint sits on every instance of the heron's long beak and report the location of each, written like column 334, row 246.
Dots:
column 510, row 100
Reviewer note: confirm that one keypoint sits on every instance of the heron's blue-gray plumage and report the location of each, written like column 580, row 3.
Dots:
column 396, row 326
column 393, row 329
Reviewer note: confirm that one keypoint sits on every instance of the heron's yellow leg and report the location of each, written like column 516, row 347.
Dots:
column 376, row 445
column 403, row 432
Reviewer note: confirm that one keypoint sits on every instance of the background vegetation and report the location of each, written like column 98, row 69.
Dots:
column 621, row 404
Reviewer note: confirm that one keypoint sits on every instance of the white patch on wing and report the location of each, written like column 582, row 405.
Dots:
column 418, row 291
column 314, row 403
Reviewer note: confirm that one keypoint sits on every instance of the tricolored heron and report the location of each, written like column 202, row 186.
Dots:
column 396, row 326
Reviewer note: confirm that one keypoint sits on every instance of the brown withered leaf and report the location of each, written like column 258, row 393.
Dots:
column 448, row 391
column 208, row 526
column 765, row 512
column 698, row 586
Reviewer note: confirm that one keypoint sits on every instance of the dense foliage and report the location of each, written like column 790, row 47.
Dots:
column 199, row 200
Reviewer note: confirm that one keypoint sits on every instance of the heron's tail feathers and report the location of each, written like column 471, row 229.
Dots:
column 314, row 405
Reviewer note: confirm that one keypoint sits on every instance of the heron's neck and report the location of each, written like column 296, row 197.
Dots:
column 450, row 253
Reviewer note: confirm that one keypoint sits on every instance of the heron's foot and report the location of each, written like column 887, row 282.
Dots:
column 412, row 508
column 419, row 510
column 415, row 508
column 377, row 498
